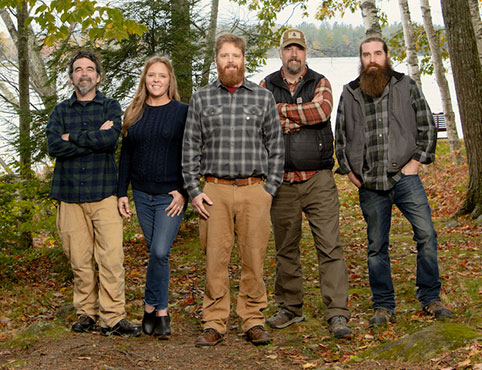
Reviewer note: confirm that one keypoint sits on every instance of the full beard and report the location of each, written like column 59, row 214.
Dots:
column 231, row 77
column 374, row 80
column 293, row 69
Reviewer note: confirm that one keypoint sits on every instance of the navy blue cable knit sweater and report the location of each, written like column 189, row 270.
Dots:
column 151, row 152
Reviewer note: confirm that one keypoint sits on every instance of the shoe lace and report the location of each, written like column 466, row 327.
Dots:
column 282, row 314
column 434, row 306
column 338, row 320
column 257, row 329
column 381, row 312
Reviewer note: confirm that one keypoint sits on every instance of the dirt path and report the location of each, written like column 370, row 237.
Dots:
column 93, row 351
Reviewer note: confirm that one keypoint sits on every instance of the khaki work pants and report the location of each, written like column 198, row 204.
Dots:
column 242, row 211
column 92, row 233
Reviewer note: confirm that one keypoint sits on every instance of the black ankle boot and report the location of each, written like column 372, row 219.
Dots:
column 163, row 327
column 149, row 322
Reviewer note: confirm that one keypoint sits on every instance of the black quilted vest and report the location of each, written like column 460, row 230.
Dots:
column 310, row 148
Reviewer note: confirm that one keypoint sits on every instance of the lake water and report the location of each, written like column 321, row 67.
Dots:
column 340, row 71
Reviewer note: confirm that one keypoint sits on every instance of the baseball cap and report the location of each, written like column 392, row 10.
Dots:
column 293, row 36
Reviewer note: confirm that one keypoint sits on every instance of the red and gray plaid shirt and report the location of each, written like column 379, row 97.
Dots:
column 294, row 116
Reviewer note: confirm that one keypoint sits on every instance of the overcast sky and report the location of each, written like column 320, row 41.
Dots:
column 292, row 16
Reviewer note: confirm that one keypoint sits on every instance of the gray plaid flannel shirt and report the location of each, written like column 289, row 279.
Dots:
column 232, row 136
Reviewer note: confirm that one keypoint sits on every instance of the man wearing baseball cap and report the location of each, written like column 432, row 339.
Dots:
column 305, row 102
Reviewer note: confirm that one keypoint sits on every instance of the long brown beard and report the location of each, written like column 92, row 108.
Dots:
column 231, row 78
column 374, row 80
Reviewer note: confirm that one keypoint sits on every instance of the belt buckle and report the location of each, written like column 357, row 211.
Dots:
column 236, row 182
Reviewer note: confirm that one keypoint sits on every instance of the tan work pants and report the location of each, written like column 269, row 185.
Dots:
column 242, row 211
column 92, row 233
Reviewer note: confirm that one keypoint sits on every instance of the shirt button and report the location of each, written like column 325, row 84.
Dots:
column 85, row 124
column 247, row 118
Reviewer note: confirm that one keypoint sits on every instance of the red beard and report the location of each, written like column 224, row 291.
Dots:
column 232, row 77
column 374, row 78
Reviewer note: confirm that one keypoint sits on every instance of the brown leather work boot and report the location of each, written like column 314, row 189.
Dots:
column 209, row 337
column 258, row 335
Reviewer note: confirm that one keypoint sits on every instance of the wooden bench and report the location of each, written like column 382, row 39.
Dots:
column 439, row 119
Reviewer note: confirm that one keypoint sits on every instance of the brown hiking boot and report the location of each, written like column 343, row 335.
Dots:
column 382, row 317
column 258, row 335
column 438, row 310
column 209, row 337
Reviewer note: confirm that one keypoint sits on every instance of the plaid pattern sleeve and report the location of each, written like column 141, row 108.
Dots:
column 100, row 140
column 85, row 169
column 232, row 136
column 426, row 128
column 293, row 116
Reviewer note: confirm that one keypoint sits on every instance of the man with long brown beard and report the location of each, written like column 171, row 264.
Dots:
column 384, row 131
column 233, row 139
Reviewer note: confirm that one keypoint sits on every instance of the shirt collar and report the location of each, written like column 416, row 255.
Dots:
column 298, row 80
column 99, row 98
column 245, row 84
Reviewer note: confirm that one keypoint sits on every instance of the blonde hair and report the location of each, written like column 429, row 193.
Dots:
column 135, row 109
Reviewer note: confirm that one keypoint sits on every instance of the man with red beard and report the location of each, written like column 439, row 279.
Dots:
column 305, row 103
column 233, row 140
column 384, row 131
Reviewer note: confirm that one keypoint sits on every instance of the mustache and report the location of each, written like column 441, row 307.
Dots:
column 294, row 59
column 82, row 79
column 230, row 65
column 373, row 64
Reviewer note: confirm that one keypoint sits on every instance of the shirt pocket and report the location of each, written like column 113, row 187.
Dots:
column 253, row 119
column 212, row 119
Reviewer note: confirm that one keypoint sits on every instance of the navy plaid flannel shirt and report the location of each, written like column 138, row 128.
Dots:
column 85, row 169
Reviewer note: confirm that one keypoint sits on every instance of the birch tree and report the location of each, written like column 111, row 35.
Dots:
column 370, row 17
column 453, row 139
column 408, row 34
column 467, row 72
column 25, row 236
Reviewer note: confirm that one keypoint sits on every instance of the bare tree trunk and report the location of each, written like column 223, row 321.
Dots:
column 474, row 11
column 453, row 138
column 182, row 54
column 370, row 18
column 25, row 237
column 211, row 38
column 409, row 36
column 467, row 72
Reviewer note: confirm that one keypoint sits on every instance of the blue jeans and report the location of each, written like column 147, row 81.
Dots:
column 159, row 231
column 409, row 196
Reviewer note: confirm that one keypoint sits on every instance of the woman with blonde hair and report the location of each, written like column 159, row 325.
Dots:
column 151, row 162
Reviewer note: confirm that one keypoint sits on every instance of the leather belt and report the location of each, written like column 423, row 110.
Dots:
column 236, row 182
